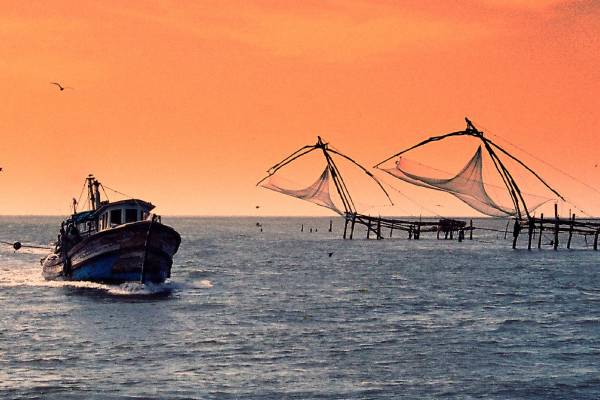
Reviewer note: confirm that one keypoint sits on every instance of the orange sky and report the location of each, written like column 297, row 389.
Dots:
column 186, row 105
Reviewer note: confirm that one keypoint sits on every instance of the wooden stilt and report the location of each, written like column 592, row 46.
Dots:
column 345, row 226
column 302, row 228
column 438, row 233
column 369, row 229
column 352, row 226
column 410, row 232
column 570, row 231
column 516, row 231
column 506, row 230
column 556, row 226
column 330, row 225
column 379, row 237
column 530, row 231
column 418, row 232
column 541, row 231
column 391, row 229
column 451, row 234
column 471, row 230
column 596, row 239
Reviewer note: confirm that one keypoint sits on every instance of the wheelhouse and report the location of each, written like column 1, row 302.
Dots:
column 111, row 215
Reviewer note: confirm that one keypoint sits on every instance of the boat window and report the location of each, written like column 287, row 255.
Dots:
column 115, row 217
column 130, row 215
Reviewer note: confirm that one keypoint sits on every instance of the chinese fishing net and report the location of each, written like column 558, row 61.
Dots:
column 317, row 193
column 467, row 185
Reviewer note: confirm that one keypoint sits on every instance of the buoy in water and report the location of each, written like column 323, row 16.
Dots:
column 16, row 245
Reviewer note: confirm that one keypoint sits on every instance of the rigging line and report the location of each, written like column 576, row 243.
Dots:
column 116, row 191
column 548, row 164
column 104, row 191
column 26, row 245
column 412, row 201
column 80, row 194
column 543, row 162
column 297, row 154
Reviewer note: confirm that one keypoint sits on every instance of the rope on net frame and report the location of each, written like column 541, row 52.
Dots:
column 507, row 178
column 318, row 192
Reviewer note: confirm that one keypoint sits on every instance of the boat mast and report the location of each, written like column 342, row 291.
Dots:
column 93, row 192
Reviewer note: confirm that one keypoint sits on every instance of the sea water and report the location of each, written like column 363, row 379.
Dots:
column 288, row 314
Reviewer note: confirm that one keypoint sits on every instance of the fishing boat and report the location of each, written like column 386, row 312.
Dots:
column 112, row 242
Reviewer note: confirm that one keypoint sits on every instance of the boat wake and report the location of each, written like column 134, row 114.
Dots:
column 14, row 273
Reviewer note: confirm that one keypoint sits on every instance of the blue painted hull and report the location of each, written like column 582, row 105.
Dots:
column 123, row 254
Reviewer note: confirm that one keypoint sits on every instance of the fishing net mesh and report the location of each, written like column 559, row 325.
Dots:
column 467, row 185
column 317, row 193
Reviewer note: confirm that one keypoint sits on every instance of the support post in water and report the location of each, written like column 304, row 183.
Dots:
column 596, row 239
column 516, row 231
column 571, row 231
column 541, row 231
column 556, row 226
column 530, row 228
column 369, row 229
column 471, row 230
column 391, row 229
column 379, row 237
column 330, row 225
column 345, row 225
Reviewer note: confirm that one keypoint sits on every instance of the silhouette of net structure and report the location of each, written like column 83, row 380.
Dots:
column 318, row 192
column 467, row 185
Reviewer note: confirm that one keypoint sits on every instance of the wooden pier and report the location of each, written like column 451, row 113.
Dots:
column 444, row 228
column 554, row 227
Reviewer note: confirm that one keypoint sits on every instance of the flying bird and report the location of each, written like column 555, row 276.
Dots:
column 61, row 87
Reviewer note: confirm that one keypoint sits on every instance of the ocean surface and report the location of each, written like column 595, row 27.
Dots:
column 272, row 315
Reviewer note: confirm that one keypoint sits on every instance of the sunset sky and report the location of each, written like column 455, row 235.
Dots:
column 187, row 104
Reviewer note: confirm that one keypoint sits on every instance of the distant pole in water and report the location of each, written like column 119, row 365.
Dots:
column 302, row 228
column 556, row 226
column 330, row 225
column 541, row 230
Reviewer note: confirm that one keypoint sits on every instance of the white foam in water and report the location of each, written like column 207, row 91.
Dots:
column 204, row 283
column 14, row 272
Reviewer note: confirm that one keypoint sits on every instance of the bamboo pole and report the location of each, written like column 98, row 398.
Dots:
column 530, row 231
column 556, row 226
column 570, row 231
column 541, row 231
column 516, row 231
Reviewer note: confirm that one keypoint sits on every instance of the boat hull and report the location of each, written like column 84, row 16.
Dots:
column 139, row 251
